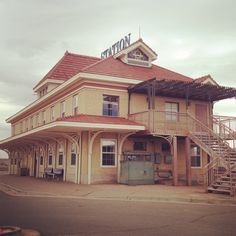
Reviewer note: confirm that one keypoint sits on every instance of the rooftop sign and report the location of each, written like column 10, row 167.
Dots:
column 116, row 47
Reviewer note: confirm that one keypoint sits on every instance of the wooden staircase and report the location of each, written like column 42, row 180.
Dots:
column 220, row 172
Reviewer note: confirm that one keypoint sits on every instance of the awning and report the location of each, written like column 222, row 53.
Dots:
column 180, row 89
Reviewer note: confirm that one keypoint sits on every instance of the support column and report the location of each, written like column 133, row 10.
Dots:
column 175, row 161
column 188, row 161
column 65, row 157
column 91, row 139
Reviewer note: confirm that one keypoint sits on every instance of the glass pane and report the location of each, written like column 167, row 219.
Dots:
column 195, row 161
column 108, row 159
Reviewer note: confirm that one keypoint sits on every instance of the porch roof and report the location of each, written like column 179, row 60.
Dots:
column 183, row 89
column 71, row 125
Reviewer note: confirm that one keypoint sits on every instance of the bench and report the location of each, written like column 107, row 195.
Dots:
column 58, row 173
column 48, row 173
column 164, row 174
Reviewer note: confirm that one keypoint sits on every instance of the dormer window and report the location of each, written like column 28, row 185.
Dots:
column 137, row 54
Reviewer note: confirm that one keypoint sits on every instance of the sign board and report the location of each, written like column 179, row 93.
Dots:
column 116, row 47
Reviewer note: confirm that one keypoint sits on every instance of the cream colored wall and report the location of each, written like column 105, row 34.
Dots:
column 91, row 101
column 102, row 174
column 138, row 103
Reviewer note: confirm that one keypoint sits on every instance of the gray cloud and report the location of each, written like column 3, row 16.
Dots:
column 191, row 37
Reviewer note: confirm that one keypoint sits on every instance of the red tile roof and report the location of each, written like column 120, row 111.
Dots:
column 97, row 119
column 69, row 65
column 117, row 68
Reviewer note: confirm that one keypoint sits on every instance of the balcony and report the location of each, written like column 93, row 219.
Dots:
column 163, row 123
column 180, row 124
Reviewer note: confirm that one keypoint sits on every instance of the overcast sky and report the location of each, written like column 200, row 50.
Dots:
column 194, row 38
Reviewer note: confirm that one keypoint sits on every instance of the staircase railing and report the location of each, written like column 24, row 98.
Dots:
column 221, row 161
column 226, row 128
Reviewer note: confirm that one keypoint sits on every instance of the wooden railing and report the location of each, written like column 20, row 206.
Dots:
column 162, row 122
column 225, row 127
column 216, row 144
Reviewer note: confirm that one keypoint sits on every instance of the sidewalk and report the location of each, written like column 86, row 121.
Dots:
column 29, row 186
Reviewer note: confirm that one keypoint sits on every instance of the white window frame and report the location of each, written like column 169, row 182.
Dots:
column 101, row 153
column 112, row 104
column 171, row 114
column 200, row 156
column 75, row 104
column 50, row 154
column 61, row 150
column 73, row 151
column 63, row 109
column 52, row 113
column 43, row 117
column 31, row 122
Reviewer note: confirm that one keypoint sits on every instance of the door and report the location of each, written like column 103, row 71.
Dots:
column 201, row 112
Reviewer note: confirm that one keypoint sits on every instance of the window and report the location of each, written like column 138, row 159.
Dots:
column 52, row 115
column 21, row 128
column 43, row 118
column 63, row 109
column 140, row 146
column 75, row 104
column 12, row 161
column 37, row 120
column 26, row 125
column 172, row 110
column 41, row 160
column 60, row 156
column 32, row 122
column 108, row 152
column 49, row 157
column 195, row 157
column 73, row 154
column 165, row 147
column 110, row 105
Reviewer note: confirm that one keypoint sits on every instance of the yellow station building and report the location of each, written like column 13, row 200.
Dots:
column 123, row 119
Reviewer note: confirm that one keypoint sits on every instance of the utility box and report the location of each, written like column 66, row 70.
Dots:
column 136, row 172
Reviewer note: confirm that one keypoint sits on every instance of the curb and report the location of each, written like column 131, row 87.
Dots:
column 13, row 191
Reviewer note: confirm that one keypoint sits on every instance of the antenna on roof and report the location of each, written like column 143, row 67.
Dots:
column 139, row 32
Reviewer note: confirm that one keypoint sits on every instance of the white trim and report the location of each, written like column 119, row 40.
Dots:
column 102, row 88
column 70, row 81
column 136, row 45
column 110, row 78
column 197, row 167
column 108, row 166
column 53, row 81
column 209, row 80
column 76, row 125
